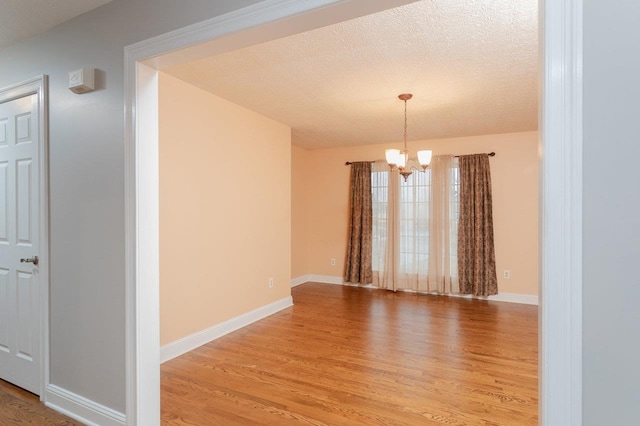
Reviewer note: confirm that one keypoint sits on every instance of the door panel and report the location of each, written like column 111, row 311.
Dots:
column 23, row 128
column 24, row 315
column 4, row 310
column 4, row 137
column 4, row 237
column 24, row 216
column 20, row 319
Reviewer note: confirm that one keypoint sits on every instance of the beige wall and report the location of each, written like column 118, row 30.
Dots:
column 299, row 211
column 238, row 205
column 225, row 209
column 515, row 208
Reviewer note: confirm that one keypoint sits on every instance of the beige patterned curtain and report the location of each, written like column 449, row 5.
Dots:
column 476, row 255
column 358, row 263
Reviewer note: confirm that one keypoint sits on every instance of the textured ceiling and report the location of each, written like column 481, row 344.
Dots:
column 20, row 19
column 470, row 64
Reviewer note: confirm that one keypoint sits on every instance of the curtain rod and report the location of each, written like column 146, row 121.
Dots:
column 348, row 163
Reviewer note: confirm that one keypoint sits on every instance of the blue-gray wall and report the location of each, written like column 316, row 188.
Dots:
column 611, row 213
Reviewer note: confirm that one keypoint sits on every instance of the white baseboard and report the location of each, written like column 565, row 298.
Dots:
column 326, row 279
column 82, row 409
column 300, row 280
column 195, row 340
column 323, row 279
column 527, row 299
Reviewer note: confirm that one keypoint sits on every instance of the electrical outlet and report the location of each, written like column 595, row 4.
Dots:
column 271, row 282
column 506, row 274
column 333, row 261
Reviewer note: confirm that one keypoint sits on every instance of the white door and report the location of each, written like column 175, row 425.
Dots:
column 20, row 317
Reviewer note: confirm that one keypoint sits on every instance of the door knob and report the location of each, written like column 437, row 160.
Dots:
column 33, row 260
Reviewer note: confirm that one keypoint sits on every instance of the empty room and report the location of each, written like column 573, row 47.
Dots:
column 257, row 213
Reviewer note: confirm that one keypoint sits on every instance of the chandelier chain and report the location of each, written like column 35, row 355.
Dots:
column 405, row 125
column 400, row 160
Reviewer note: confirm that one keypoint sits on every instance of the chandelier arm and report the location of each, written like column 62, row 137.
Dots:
column 418, row 169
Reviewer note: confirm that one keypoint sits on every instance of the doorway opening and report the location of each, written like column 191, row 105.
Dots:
column 560, row 382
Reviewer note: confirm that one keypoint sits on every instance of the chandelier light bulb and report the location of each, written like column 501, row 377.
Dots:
column 393, row 156
column 424, row 157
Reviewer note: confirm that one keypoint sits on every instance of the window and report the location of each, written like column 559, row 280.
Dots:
column 414, row 228
column 414, row 224
column 379, row 200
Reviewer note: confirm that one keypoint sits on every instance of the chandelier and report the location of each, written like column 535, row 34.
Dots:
column 400, row 160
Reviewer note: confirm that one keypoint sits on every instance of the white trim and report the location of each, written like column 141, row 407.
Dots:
column 323, row 279
column 326, row 279
column 240, row 28
column 143, row 229
column 526, row 299
column 39, row 86
column 141, row 244
column 82, row 409
column 195, row 340
column 561, row 213
column 300, row 280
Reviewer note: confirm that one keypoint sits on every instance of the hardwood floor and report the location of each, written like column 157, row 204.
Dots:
column 352, row 356
column 19, row 407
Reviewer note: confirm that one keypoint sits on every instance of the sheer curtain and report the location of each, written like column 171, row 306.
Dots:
column 414, row 201
column 385, row 225
column 415, row 228
column 443, row 225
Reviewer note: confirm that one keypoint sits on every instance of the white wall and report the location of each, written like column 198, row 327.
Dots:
column 87, row 181
column 611, row 213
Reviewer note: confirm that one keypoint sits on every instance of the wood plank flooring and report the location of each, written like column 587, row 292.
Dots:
column 353, row 356
column 19, row 407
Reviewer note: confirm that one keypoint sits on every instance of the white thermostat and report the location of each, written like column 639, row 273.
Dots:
column 82, row 80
